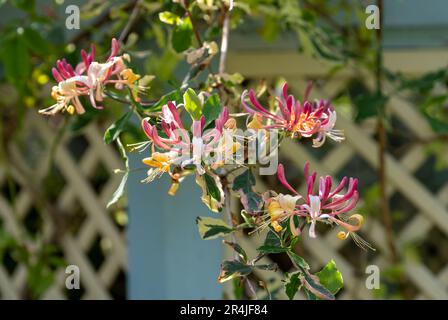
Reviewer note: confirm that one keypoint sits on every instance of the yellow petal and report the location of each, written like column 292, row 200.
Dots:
column 255, row 123
column 129, row 76
column 274, row 209
column 151, row 162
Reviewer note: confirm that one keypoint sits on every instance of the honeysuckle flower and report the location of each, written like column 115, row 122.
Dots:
column 88, row 78
column 327, row 204
column 228, row 145
column 160, row 163
column 326, row 130
column 291, row 116
column 314, row 210
column 171, row 126
column 280, row 208
column 184, row 150
column 205, row 143
column 66, row 94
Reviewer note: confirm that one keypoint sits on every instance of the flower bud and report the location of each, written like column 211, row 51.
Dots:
column 342, row 235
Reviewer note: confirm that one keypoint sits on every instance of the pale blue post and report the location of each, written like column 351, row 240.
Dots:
column 167, row 258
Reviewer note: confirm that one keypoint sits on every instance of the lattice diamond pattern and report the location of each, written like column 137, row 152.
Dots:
column 77, row 196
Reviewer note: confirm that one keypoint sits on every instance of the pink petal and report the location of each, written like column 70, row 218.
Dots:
column 282, row 178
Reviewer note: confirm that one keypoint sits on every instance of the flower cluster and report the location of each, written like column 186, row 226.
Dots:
column 214, row 147
column 308, row 120
column 173, row 145
column 325, row 204
column 88, row 78
column 178, row 146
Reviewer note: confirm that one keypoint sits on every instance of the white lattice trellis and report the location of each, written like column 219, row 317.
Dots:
column 77, row 191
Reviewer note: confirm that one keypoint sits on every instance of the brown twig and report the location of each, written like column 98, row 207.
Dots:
column 132, row 19
column 382, row 137
column 224, row 40
column 193, row 23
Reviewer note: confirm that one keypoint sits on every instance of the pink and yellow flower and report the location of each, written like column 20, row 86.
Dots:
column 178, row 145
column 307, row 120
column 88, row 78
column 325, row 204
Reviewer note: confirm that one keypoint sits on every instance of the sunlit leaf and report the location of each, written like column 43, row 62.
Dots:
column 122, row 186
column 193, row 104
column 212, row 109
column 331, row 278
column 211, row 228
column 181, row 38
column 169, row 18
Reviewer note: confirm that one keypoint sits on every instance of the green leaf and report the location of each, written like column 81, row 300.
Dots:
column 293, row 285
column 212, row 191
column 272, row 244
column 425, row 83
column 212, row 187
column 212, row 109
column 122, row 186
column 192, row 104
column 16, row 60
column 113, row 132
column 35, row 42
column 231, row 269
column 298, row 260
column 331, row 278
column 174, row 95
column 182, row 36
column 368, row 105
column 271, row 249
column 313, row 285
column 211, row 228
column 169, row 18
column 244, row 181
column 272, row 239
column 241, row 253
column 120, row 190
column 238, row 289
column 244, row 185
